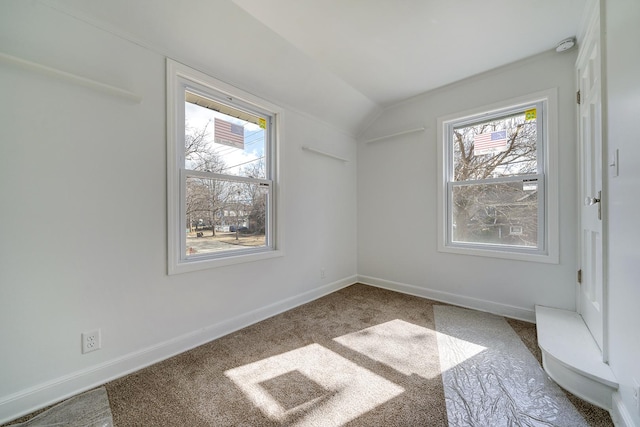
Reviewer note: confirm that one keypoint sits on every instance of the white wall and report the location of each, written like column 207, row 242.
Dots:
column 83, row 229
column 622, row 71
column 397, row 205
column 83, row 198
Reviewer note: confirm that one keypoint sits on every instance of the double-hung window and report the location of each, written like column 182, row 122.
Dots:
column 498, row 181
column 221, row 172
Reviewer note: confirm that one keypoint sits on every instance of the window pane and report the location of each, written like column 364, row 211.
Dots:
column 224, row 215
column 502, row 214
column 506, row 146
column 223, row 139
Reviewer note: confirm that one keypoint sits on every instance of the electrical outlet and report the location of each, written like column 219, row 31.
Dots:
column 322, row 275
column 91, row 341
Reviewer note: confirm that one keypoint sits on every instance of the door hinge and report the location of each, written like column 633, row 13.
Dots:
column 580, row 276
column 578, row 97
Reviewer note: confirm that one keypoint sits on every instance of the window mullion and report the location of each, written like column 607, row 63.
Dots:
column 500, row 180
column 223, row 177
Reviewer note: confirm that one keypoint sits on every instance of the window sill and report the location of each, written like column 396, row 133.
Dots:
column 518, row 256
column 206, row 264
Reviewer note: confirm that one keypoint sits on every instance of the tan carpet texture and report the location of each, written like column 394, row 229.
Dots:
column 361, row 356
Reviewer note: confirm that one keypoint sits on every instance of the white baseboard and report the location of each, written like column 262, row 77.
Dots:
column 619, row 413
column 520, row 313
column 41, row 395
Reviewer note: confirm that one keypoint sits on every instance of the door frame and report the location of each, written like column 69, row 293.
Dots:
column 596, row 16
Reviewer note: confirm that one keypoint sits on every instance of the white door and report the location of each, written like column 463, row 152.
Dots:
column 590, row 296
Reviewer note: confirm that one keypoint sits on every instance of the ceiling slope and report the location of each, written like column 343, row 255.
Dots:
column 340, row 61
column 393, row 50
column 221, row 39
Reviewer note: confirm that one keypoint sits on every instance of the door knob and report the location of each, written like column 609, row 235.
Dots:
column 589, row 201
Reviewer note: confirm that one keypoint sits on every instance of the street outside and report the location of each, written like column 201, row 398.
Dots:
column 222, row 241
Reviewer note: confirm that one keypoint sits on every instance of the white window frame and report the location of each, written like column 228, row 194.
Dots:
column 548, row 251
column 180, row 78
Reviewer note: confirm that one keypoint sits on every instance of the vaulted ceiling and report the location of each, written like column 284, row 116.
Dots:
column 337, row 60
column 390, row 50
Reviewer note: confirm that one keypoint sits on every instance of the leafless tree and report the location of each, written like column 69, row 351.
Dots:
column 205, row 198
column 485, row 212
column 209, row 201
column 196, row 146
column 256, row 197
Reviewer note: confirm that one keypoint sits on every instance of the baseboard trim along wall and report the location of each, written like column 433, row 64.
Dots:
column 520, row 313
column 26, row 401
column 619, row 412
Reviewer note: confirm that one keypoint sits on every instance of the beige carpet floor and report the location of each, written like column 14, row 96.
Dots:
column 361, row 356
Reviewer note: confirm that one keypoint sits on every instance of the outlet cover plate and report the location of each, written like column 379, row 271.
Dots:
column 91, row 341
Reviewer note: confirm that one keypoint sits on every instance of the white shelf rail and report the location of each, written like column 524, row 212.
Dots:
column 404, row 132
column 324, row 153
column 83, row 81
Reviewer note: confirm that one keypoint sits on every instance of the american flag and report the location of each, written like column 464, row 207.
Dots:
column 228, row 133
column 490, row 142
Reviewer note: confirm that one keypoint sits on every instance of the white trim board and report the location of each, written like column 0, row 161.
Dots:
column 564, row 335
column 619, row 413
column 31, row 399
column 513, row 312
column 572, row 358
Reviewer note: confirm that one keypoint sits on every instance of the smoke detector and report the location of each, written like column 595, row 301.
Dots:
column 566, row 44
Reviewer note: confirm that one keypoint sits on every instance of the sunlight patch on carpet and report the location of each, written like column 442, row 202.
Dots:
column 501, row 385
column 398, row 344
column 312, row 386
